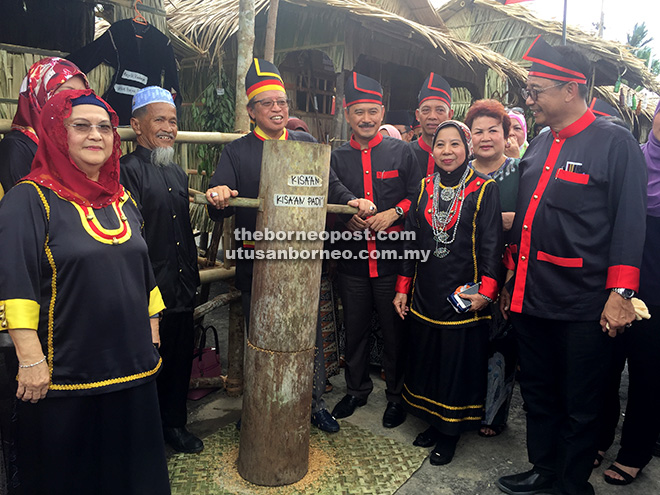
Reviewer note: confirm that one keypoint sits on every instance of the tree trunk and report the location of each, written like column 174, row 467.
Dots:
column 243, row 61
column 279, row 360
column 271, row 28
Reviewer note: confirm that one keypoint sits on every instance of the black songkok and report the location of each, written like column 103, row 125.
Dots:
column 262, row 76
column 550, row 64
column 362, row 89
column 435, row 88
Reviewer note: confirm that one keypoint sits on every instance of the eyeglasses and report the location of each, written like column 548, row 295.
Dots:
column 533, row 93
column 85, row 129
column 283, row 103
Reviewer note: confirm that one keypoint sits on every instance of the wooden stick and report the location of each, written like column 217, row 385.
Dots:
column 216, row 302
column 239, row 202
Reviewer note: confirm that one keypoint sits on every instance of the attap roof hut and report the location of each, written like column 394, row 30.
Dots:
column 318, row 40
column 510, row 29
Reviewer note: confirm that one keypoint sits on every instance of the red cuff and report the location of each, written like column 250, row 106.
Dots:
column 507, row 260
column 488, row 287
column 403, row 284
column 624, row 276
column 405, row 205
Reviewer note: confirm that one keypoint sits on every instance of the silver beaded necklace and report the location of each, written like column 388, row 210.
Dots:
column 442, row 218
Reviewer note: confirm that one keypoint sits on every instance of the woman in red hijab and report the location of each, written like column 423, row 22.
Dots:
column 80, row 302
column 45, row 78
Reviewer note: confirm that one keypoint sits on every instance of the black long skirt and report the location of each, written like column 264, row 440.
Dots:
column 105, row 444
column 446, row 375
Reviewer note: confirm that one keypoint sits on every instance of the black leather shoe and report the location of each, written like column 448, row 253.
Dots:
column 324, row 421
column 395, row 414
column 347, row 406
column 527, row 483
column 182, row 440
column 427, row 438
column 444, row 449
column 439, row 458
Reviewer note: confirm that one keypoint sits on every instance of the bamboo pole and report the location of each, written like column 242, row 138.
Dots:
column 208, row 275
column 127, row 134
column 274, row 445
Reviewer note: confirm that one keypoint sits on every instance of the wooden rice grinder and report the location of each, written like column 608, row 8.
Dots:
column 279, row 358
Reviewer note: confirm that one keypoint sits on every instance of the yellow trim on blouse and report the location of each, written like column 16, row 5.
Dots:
column 105, row 383
column 19, row 313
column 94, row 228
column 156, row 304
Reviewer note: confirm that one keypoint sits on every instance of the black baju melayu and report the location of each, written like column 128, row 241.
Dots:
column 578, row 231
column 162, row 196
column 386, row 173
column 453, row 345
column 424, row 156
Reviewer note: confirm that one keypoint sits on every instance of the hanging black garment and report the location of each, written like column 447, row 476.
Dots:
column 141, row 56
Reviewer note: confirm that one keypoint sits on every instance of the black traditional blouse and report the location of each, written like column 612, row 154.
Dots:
column 83, row 280
column 474, row 255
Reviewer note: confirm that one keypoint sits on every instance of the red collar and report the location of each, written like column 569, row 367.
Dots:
column 375, row 141
column 576, row 127
column 423, row 145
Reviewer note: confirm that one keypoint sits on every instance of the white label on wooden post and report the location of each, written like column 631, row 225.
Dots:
column 299, row 201
column 305, row 180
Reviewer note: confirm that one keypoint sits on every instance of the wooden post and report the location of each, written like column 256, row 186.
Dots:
column 279, row 363
column 235, row 350
column 245, row 37
column 271, row 28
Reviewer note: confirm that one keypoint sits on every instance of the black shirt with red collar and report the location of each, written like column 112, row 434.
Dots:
column 386, row 173
column 580, row 220
column 424, row 157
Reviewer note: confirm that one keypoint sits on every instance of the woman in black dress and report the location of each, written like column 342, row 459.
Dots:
column 457, row 226
column 76, row 295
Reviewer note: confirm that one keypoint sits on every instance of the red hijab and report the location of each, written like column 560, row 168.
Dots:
column 52, row 166
column 40, row 83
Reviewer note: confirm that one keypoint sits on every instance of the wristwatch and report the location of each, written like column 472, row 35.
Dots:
column 625, row 293
column 399, row 211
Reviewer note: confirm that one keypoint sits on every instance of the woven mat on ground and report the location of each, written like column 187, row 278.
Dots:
column 351, row 462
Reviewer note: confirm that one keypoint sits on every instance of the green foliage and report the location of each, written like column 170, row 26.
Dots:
column 213, row 112
column 637, row 40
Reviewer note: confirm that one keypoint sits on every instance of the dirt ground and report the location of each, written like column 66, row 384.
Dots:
column 478, row 461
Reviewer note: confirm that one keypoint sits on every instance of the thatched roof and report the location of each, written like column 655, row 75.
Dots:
column 510, row 29
column 417, row 10
column 210, row 23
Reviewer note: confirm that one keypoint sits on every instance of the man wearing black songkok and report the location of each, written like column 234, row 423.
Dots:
column 385, row 171
column 573, row 263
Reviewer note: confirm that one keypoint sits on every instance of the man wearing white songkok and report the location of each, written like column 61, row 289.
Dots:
column 160, row 188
